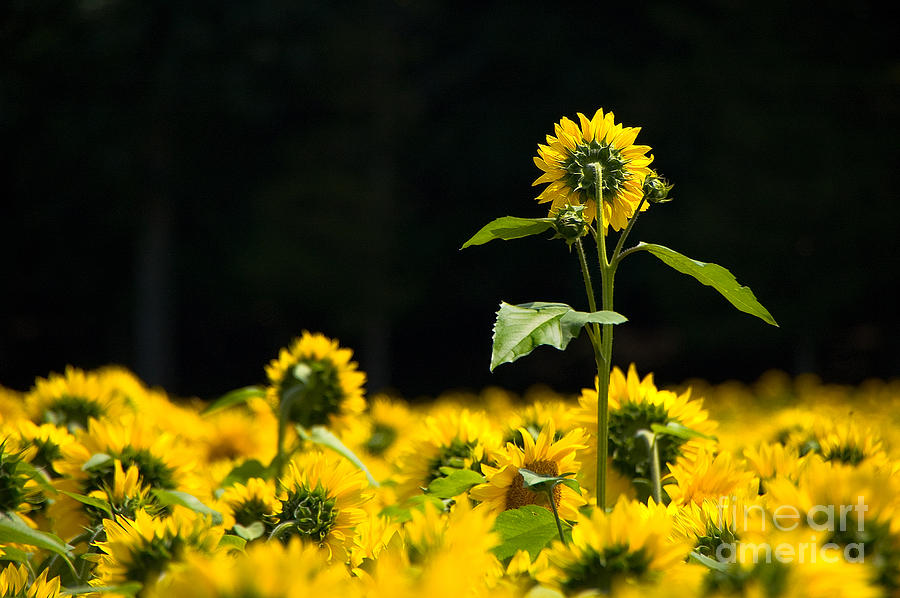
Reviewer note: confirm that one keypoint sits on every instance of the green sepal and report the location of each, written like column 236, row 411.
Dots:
column 519, row 329
column 509, row 227
column 457, row 482
column 528, row 528
column 235, row 397
column 714, row 276
column 176, row 497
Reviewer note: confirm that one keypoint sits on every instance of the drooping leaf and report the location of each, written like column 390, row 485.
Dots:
column 520, row 328
column 235, row 397
column 15, row 531
column 8, row 553
column 679, row 431
column 528, row 528
column 251, row 532
column 458, row 482
column 714, row 276
column 91, row 501
column 130, row 588
column 708, row 562
column 251, row 468
column 177, row 497
column 96, row 460
column 233, row 542
column 323, row 436
column 544, row 483
column 507, row 228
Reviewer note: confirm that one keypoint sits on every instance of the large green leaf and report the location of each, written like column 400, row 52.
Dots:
column 714, row 276
column 528, row 528
column 321, row 435
column 176, row 497
column 521, row 328
column 457, row 482
column 235, row 397
column 15, row 531
column 509, row 227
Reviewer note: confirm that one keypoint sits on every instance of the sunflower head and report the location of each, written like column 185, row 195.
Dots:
column 251, row 502
column 597, row 158
column 14, row 583
column 18, row 492
column 319, row 380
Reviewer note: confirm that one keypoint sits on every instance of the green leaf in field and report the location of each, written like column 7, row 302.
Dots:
column 251, row 532
column 323, row 436
column 130, row 588
column 233, row 542
column 708, row 562
column 8, row 553
column 176, row 497
column 246, row 470
column 235, row 397
column 528, row 528
column 509, row 227
column 458, row 482
column 679, row 431
column 538, row 482
column 521, row 328
column 96, row 460
column 714, row 276
column 91, row 501
column 15, row 531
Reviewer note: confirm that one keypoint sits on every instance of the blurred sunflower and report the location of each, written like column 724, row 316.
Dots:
column 450, row 437
column 48, row 441
column 143, row 549
column 19, row 493
column 266, row 570
column 71, row 400
column 246, row 504
column 534, row 416
column 331, row 387
column 578, row 159
column 14, row 583
column 636, row 404
column 706, row 477
column 504, row 487
column 321, row 501
column 381, row 435
column 631, row 544
column 126, row 496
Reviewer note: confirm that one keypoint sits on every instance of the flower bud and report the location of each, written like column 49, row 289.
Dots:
column 570, row 223
column 656, row 188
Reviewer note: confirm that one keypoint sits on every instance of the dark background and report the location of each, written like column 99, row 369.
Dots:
column 191, row 184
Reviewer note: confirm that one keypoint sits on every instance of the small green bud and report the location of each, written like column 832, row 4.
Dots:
column 656, row 188
column 570, row 223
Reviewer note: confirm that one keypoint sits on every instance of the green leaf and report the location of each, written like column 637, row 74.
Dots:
column 714, row 276
column 235, row 397
column 176, row 497
column 251, row 532
column 544, row 483
column 15, row 531
column 91, row 501
column 528, row 528
column 519, row 329
column 130, row 588
column 246, row 470
column 8, row 553
column 708, row 562
column 454, row 484
column 679, row 431
column 509, row 227
column 234, row 542
column 96, row 460
column 323, row 436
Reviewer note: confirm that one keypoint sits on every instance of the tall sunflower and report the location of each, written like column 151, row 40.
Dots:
column 332, row 385
column 14, row 584
column 598, row 152
column 504, row 489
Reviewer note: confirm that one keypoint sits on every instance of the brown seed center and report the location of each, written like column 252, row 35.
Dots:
column 518, row 496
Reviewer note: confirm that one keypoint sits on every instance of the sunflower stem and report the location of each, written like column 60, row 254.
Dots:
column 625, row 233
column 593, row 331
column 559, row 528
column 656, row 483
column 607, row 274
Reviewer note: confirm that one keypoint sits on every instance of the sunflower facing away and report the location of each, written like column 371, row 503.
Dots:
column 577, row 155
column 14, row 584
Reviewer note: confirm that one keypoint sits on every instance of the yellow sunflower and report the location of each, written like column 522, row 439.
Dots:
column 143, row 549
column 14, row 584
column 706, row 477
column 575, row 157
column 636, row 404
column 266, row 570
column 246, row 504
column 381, row 435
column 333, row 385
column 321, row 501
column 504, row 487
column 19, row 493
column 631, row 544
column 72, row 399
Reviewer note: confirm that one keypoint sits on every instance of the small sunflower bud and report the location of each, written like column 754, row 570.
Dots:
column 570, row 223
column 656, row 188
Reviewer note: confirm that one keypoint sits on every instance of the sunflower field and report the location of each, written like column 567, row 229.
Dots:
column 304, row 486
